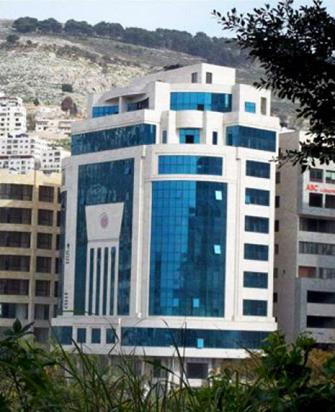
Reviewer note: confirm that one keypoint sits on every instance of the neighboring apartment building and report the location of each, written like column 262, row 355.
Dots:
column 12, row 116
column 169, row 197
column 22, row 153
column 29, row 243
column 52, row 123
column 53, row 127
column 51, row 159
column 305, row 248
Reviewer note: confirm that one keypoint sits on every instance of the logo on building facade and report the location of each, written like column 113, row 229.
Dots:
column 312, row 188
column 104, row 220
column 316, row 188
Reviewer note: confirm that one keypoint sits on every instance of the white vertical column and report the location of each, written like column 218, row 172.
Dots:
column 87, row 278
column 109, row 282
column 116, row 279
column 93, row 297
column 102, row 279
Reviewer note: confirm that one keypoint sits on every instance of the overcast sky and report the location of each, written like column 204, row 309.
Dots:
column 189, row 15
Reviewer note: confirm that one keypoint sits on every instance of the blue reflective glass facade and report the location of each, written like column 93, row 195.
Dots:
column 188, row 227
column 257, row 197
column 196, row 165
column 189, row 136
column 99, row 183
column 143, row 104
column 250, row 107
column 255, row 280
column 189, row 338
column 256, row 252
column 258, row 169
column 96, row 335
column 81, row 335
column 110, row 335
column 252, row 138
column 63, row 334
column 116, row 138
column 256, row 224
column 101, row 111
column 216, row 102
column 255, row 307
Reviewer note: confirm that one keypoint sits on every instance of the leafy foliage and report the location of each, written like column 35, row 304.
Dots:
column 78, row 28
column 49, row 26
column 295, row 47
column 64, row 143
column 25, row 24
column 34, row 379
column 68, row 105
column 114, row 30
column 12, row 38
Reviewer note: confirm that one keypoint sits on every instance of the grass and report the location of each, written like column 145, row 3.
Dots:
column 286, row 378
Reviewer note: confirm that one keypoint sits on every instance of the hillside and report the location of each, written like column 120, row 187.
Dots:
column 37, row 66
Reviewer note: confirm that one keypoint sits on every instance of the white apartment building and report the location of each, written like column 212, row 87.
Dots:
column 52, row 122
column 12, row 116
column 305, row 248
column 53, row 127
column 51, row 159
column 22, row 153
column 169, row 220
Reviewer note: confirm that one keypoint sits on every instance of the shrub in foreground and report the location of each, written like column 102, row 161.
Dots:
column 284, row 378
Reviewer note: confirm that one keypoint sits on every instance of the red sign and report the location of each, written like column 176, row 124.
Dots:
column 311, row 187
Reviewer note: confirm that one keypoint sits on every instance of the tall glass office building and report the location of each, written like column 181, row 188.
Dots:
column 168, row 204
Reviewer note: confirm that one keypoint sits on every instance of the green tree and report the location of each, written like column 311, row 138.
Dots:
column 136, row 35
column 174, row 39
column 25, row 24
column 78, row 28
column 12, row 38
column 114, row 30
column 49, row 26
column 102, row 28
column 68, row 105
column 295, row 47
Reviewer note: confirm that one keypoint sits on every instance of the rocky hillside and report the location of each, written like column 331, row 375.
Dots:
column 38, row 66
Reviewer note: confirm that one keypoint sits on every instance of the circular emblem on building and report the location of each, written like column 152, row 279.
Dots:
column 104, row 220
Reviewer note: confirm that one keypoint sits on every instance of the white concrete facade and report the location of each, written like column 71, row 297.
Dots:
column 304, row 263
column 12, row 116
column 22, row 153
column 53, row 127
column 156, row 91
